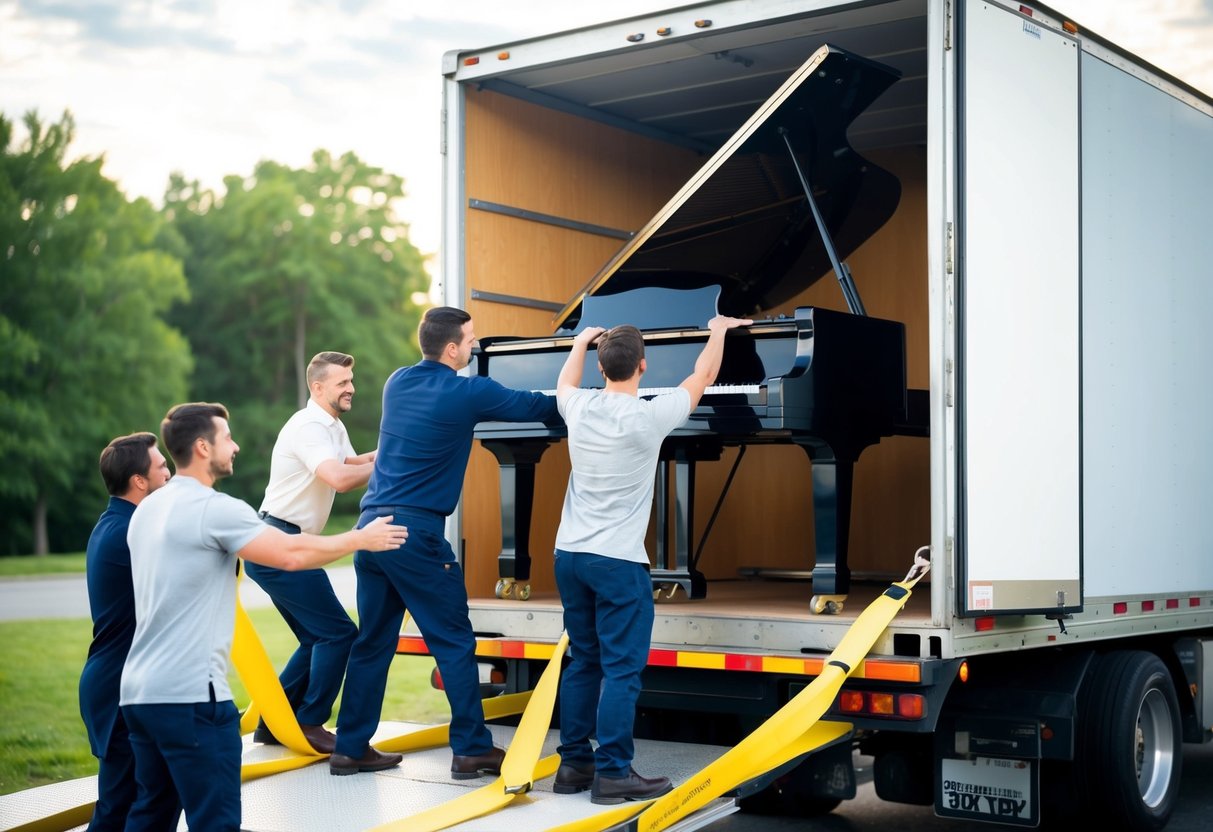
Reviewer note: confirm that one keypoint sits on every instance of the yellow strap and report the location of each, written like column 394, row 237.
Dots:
column 818, row 736
column 257, row 673
column 519, row 770
column 249, row 719
column 470, row 805
column 60, row 821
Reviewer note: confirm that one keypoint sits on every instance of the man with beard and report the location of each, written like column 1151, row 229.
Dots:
column 311, row 462
column 132, row 468
column 184, row 541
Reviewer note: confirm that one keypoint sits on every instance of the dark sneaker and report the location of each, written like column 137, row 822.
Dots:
column 608, row 790
column 574, row 777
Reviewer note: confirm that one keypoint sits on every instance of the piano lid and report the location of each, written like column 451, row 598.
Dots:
column 742, row 221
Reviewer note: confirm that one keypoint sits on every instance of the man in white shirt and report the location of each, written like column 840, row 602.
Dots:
column 311, row 462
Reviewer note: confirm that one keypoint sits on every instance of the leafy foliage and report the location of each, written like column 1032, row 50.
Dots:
column 285, row 264
column 83, row 292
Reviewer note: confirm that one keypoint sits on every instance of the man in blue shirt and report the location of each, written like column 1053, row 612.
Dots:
column 425, row 438
column 132, row 467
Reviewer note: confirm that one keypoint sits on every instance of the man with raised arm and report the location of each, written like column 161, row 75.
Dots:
column 602, row 568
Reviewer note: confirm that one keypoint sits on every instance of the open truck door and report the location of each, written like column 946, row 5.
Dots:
column 1018, row 293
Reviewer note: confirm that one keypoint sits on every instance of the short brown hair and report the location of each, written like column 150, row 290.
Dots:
column 440, row 326
column 184, row 423
column 620, row 349
column 126, row 457
column 318, row 367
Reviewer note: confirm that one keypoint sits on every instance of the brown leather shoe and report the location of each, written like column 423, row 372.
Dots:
column 320, row 739
column 574, row 777
column 473, row 765
column 608, row 790
column 372, row 760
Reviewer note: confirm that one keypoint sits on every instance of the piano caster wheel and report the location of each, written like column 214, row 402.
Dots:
column 666, row 590
column 827, row 604
column 508, row 586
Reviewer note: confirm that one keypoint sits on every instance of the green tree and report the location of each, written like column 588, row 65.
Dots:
column 282, row 265
column 83, row 287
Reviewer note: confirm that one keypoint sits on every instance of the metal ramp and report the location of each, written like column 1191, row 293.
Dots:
column 312, row 800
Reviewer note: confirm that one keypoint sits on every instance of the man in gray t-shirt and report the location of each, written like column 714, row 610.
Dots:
column 185, row 731
column 602, row 568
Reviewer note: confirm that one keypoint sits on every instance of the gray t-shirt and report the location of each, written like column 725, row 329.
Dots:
column 614, row 439
column 183, row 539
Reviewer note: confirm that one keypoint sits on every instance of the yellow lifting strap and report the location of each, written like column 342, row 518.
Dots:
column 519, row 770
column 269, row 702
column 767, row 746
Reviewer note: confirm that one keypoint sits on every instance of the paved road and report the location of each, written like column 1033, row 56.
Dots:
column 65, row 596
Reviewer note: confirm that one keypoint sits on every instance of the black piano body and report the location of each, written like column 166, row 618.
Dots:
column 739, row 238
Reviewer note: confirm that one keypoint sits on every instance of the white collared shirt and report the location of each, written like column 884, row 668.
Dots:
column 294, row 493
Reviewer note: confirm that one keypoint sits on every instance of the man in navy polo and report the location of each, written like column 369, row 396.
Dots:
column 425, row 438
column 132, row 467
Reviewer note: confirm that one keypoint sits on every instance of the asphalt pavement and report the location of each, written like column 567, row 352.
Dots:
column 66, row 596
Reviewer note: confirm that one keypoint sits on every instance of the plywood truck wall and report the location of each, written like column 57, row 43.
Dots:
column 540, row 160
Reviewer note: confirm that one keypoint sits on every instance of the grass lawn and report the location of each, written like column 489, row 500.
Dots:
column 40, row 728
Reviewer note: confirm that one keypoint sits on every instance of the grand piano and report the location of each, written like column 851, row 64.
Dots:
column 776, row 208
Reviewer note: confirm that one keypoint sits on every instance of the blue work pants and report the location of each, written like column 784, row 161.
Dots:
column 608, row 614
column 187, row 757
column 423, row 577
column 312, row 676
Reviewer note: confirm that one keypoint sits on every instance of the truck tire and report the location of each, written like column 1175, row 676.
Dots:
column 1128, row 752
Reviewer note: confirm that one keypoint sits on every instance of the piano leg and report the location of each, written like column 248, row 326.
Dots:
column 832, row 481
column 675, row 567
column 516, row 460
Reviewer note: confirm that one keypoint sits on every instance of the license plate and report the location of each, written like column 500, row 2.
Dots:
column 995, row 789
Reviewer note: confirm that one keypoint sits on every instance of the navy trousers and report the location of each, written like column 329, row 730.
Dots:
column 187, row 757
column 115, row 782
column 608, row 614
column 312, row 677
column 423, row 577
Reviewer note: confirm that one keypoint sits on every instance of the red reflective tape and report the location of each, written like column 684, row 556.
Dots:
column 735, row 661
column 663, row 658
column 513, row 649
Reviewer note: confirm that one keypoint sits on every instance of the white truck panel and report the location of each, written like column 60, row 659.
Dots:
column 1147, row 341
column 1020, row 310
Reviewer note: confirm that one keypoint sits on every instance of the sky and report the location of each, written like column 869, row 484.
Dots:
column 210, row 87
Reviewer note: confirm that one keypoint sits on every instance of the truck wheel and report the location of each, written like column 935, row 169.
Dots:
column 1128, row 755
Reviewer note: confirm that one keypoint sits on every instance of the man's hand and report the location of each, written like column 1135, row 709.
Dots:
column 588, row 335
column 722, row 322
column 379, row 535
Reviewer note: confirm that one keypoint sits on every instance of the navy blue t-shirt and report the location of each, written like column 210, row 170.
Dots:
column 111, row 600
column 425, row 436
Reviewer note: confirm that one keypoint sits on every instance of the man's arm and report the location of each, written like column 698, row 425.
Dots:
column 293, row 552
column 570, row 373
column 708, row 363
column 345, row 476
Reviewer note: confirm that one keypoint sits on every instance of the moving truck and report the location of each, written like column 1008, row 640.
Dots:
column 1001, row 286
column 975, row 240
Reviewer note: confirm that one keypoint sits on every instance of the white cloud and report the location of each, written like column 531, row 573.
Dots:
column 209, row 87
